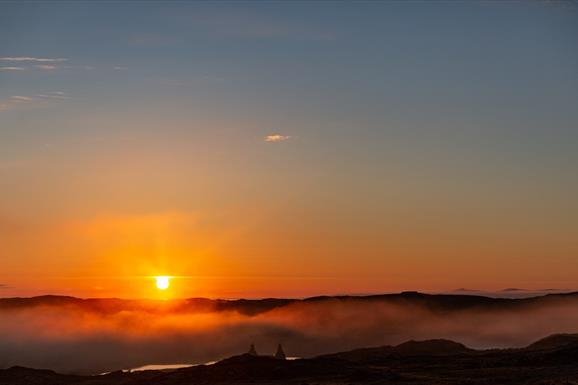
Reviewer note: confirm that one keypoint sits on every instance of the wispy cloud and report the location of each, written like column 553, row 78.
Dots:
column 20, row 100
column 32, row 59
column 14, row 101
column 46, row 66
column 29, row 63
column 79, row 67
column 276, row 138
column 52, row 95
column 12, row 68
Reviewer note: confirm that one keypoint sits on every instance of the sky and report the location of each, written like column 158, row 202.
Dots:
column 287, row 149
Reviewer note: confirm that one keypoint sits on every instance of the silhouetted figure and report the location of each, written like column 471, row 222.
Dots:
column 280, row 355
column 252, row 351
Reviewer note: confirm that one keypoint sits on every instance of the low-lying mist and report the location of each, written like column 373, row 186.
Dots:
column 77, row 339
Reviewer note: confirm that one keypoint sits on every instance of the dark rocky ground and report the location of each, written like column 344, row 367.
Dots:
column 553, row 360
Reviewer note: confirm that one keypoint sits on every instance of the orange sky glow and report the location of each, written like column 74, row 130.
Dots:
column 248, row 151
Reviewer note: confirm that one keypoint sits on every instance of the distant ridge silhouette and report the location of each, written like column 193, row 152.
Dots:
column 258, row 306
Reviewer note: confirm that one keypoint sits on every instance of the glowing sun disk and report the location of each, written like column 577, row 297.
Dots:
column 163, row 282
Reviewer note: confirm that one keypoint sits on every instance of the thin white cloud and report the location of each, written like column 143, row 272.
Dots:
column 276, row 138
column 29, row 63
column 46, row 66
column 31, row 59
column 52, row 95
column 16, row 101
column 21, row 98
column 78, row 67
column 12, row 68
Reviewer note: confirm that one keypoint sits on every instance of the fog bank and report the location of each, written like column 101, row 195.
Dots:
column 74, row 339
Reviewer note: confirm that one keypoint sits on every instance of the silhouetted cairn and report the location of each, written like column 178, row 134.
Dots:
column 252, row 351
column 280, row 355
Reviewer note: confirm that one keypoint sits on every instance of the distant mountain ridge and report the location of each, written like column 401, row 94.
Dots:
column 434, row 302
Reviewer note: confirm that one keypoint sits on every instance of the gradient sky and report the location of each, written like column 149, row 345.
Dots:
column 287, row 148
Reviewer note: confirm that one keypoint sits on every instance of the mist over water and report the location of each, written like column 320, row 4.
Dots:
column 78, row 339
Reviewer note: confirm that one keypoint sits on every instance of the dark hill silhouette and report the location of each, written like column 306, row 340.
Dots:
column 19, row 375
column 430, row 347
column 434, row 362
column 434, row 302
column 437, row 347
column 555, row 341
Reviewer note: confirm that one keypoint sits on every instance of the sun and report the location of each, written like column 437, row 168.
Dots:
column 163, row 282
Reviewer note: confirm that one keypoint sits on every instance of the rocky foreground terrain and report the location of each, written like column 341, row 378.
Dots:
column 552, row 360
